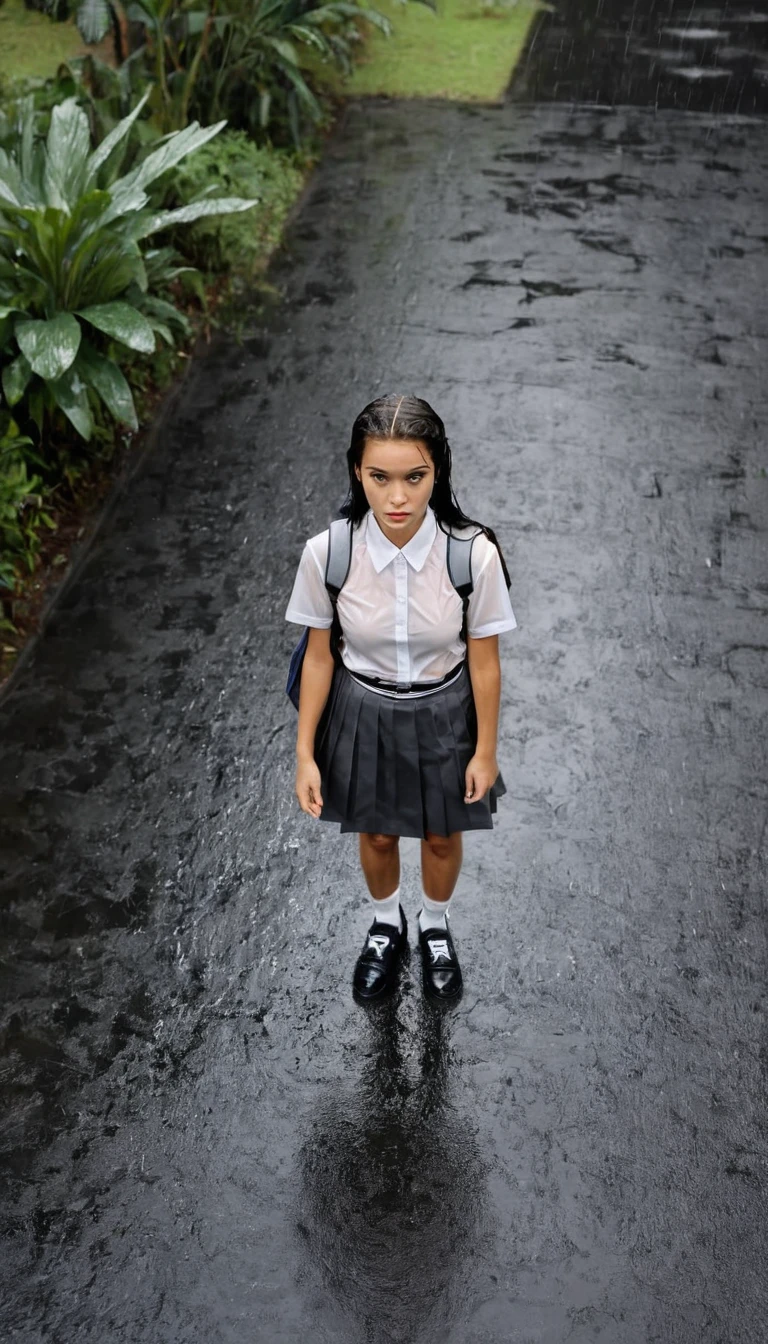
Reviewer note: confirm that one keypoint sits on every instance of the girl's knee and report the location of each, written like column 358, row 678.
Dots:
column 443, row 846
column 381, row 844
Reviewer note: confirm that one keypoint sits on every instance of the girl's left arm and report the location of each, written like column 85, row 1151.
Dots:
column 485, row 675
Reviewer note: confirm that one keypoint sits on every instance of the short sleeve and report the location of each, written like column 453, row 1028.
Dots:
column 309, row 602
column 490, row 610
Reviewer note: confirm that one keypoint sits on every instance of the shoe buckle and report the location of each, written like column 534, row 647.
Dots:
column 438, row 948
column 379, row 942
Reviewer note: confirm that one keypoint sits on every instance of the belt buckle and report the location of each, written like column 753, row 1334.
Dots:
column 402, row 686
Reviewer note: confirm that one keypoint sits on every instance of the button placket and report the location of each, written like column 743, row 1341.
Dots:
column 401, row 619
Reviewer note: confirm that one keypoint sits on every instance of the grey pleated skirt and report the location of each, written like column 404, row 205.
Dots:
column 395, row 766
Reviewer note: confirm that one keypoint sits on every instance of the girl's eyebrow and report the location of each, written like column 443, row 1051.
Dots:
column 381, row 472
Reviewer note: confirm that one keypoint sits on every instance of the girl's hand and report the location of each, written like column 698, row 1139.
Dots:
column 480, row 774
column 308, row 787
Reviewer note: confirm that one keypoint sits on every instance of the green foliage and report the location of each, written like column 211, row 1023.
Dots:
column 22, row 506
column 243, row 60
column 77, row 288
column 232, row 165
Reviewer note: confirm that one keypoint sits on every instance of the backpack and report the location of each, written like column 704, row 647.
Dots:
column 459, row 559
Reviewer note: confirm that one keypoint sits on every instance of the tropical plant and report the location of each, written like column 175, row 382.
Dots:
column 249, row 59
column 22, row 506
column 76, row 287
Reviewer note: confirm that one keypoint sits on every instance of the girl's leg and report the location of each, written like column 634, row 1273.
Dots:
column 380, row 862
column 440, row 865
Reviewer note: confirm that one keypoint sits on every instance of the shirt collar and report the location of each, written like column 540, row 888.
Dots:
column 382, row 551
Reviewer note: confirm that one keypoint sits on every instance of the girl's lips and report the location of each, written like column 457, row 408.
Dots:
column 398, row 515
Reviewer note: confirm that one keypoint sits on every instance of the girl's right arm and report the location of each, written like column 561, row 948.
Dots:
column 316, row 675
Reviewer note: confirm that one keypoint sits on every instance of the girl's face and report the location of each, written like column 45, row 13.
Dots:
column 398, row 477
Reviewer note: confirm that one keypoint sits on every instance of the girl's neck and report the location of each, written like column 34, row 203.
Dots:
column 401, row 536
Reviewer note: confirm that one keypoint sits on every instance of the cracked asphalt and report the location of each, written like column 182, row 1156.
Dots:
column 203, row 1137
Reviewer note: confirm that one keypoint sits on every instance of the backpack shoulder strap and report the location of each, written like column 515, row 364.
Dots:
column 459, row 557
column 459, row 560
column 336, row 571
column 339, row 556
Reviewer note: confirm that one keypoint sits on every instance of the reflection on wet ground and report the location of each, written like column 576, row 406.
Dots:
column 668, row 54
column 391, row 1186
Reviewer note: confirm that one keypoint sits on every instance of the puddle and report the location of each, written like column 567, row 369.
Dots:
column 695, row 34
column 699, row 72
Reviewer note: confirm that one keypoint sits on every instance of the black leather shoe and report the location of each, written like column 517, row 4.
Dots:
column 376, row 967
column 441, row 972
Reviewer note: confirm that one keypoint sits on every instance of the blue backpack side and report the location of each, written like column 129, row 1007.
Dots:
column 459, row 559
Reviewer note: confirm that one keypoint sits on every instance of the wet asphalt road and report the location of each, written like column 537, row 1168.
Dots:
column 658, row 53
column 203, row 1137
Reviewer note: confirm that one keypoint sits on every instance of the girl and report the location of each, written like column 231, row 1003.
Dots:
column 399, row 697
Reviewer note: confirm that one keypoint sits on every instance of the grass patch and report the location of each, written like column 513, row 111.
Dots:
column 31, row 44
column 466, row 50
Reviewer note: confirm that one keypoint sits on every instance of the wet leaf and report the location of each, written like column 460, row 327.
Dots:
column 15, row 378
column 71, row 397
column 123, row 322
column 50, row 346
column 110, row 383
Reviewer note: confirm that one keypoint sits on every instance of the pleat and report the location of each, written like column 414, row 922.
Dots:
column 431, row 746
column 386, row 761
column 361, row 800
column 464, row 738
column 337, row 768
column 407, row 784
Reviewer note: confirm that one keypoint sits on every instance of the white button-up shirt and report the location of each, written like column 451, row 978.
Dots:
column 399, row 612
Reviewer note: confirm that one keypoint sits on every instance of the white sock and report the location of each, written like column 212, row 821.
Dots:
column 432, row 914
column 388, row 910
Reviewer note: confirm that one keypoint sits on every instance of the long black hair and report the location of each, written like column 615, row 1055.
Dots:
column 406, row 417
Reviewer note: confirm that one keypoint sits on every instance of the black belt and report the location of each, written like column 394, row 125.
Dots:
column 403, row 687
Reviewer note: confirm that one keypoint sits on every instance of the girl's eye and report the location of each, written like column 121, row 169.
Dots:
column 412, row 480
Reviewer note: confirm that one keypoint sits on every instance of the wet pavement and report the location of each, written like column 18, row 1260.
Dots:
column 663, row 53
column 203, row 1137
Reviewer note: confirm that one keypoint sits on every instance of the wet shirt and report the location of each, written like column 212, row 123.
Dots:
column 400, row 614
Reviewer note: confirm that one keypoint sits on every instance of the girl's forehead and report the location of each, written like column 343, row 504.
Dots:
column 396, row 454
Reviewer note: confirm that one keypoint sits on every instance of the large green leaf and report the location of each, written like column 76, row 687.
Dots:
column 50, row 346
column 108, row 380
column 123, row 322
column 7, row 173
column 69, row 393
column 69, row 148
column 128, row 193
column 93, row 19
column 118, row 132
column 16, row 375
column 185, row 214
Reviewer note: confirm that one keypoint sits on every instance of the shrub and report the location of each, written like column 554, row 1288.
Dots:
column 76, row 288
column 232, row 165
column 22, row 506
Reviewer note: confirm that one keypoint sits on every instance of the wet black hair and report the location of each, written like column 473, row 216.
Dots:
column 405, row 417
